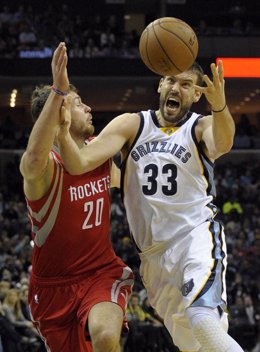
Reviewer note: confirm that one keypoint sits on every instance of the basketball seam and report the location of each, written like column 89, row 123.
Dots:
column 146, row 49
column 176, row 21
column 164, row 50
column 167, row 30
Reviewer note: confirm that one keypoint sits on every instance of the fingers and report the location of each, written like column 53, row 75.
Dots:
column 65, row 110
column 59, row 67
column 64, row 61
column 57, row 52
column 218, row 73
column 65, row 122
column 221, row 72
column 59, row 56
column 199, row 88
column 207, row 80
column 220, row 68
column 62, row 115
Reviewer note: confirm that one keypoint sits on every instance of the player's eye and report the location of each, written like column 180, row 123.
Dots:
column 171, row 80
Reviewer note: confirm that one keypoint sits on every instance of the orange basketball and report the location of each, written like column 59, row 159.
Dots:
column 168, row 46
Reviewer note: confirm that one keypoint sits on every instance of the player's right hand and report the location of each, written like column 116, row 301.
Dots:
column 65, row 118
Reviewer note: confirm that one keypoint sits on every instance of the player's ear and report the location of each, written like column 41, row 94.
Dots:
column 160, row 85
column 196, row 96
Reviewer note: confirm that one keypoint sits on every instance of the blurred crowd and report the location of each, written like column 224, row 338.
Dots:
column 27, row 32
column 238, row 201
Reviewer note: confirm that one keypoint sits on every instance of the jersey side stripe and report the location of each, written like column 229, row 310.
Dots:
column 44, row 231
column 207, row 165
column 40, row 214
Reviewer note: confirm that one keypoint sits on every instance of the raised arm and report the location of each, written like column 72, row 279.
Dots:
column 111, row 140
column 36, row 164
column 217, row 130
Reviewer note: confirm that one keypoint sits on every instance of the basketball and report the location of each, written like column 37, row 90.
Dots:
column 168, row 46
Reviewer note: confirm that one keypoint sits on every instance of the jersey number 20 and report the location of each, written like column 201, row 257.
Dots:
column 89, row 208
column 169, row 188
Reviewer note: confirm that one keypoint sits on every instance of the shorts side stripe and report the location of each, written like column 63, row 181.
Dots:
column 211, row 292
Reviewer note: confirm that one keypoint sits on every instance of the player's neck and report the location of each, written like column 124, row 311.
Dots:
column 169, row 123
column 80, row 141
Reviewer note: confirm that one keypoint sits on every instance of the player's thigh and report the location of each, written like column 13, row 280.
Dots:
column 105, row 316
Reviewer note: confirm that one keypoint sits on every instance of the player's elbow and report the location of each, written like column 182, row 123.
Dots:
column 32, row 165
column 227, row 144
column 224, row 147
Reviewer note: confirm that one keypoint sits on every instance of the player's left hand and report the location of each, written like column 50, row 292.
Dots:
column 59, row 68
column 215, row 89
column 65, row 118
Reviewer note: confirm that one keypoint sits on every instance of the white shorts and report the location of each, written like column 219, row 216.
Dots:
column 189, row 272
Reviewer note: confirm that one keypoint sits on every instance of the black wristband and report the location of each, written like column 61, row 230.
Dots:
column 221, row 109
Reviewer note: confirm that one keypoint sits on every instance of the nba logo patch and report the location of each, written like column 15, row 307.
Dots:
column 187, row 287
column 36, row 299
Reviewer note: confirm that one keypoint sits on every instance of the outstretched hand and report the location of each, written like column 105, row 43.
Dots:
column 215, row 89
column 65, row 118
column 59, row 68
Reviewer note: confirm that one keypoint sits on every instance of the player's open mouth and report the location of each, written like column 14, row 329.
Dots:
column 172, row 104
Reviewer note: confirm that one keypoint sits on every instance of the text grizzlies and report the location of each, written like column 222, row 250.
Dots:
column 161, row 147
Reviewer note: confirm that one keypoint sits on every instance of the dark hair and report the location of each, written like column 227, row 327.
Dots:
column 39, row 97
column 197, row 69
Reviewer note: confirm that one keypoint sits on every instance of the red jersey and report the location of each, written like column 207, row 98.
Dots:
column 71, row 223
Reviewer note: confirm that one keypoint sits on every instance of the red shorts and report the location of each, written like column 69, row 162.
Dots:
column 60, row 308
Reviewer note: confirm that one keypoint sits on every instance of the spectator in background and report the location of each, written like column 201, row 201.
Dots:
column 162, row 338
column 242, row 141
column 11, row 340
column 232, row 206
column 147, row 332
column 134, row 310
column 5, row 286
column 13, row 312
column 5, row 15
column 24, row 294
column 137, row 339
column 91, row 49
column 242, row 323
column 27, row 37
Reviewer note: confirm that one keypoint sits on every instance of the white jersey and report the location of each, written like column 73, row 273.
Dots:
column 167, row 182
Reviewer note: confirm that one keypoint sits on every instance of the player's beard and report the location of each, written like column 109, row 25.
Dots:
column 173, row 118
column 82, row 134
column 90, row 129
